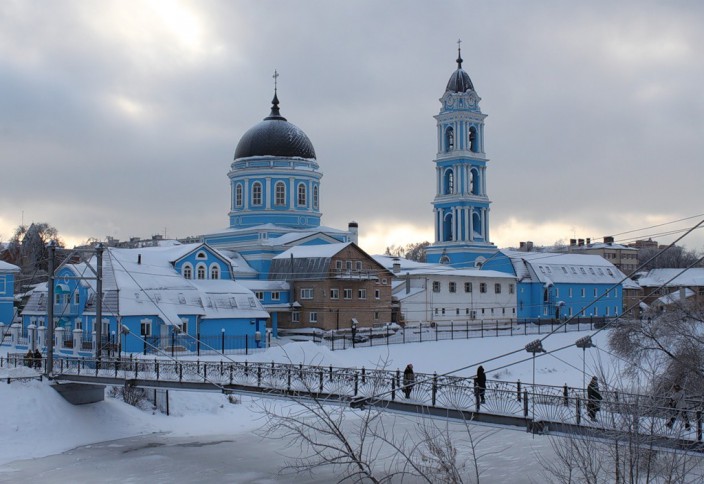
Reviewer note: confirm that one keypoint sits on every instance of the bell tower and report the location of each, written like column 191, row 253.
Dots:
column 461, row 204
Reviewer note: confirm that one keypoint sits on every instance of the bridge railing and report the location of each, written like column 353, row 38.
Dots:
column 534, row 402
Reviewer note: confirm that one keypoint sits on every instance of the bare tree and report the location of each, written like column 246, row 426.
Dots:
column 626, row 446
column 368, row 444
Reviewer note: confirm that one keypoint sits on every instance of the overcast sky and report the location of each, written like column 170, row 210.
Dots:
column 121, row 118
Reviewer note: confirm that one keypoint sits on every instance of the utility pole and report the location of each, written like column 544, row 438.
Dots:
column 50, row 312
column 99, row 302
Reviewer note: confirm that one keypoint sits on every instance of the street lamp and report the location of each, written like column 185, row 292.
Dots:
column 584, row 343
column 534, row 347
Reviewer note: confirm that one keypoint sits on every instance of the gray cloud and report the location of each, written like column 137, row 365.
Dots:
column 120, row 120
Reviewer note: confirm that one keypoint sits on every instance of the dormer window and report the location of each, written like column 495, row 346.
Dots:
column 215, row 272
column 187, row 272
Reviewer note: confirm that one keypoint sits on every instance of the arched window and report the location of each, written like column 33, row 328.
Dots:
column 187, row 272
column 474, row 182
column 215, row 272
column 449, row 185
column 473, row 141
column 301, row 194
column 200, row 271
column 238, row 195
column 257, row 194
column 315, row 197
column 449, row 139
column 280, row 194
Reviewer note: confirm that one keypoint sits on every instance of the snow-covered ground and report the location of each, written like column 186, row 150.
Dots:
column 36, row 421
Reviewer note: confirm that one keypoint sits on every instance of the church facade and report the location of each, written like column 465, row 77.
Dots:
column 275, row 207
column 461, row 203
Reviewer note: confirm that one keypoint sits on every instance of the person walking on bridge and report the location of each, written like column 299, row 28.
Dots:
column 409, row 379
column 480, row 385
column 593, row 398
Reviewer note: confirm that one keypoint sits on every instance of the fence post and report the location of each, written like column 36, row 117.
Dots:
column 198, row 344
column 466, row 329
column 481, row 322
column 156, row 368
column 579, row 413
column 518, row 391
column 356, row 382
column 497, row 328
column 222, row 341
column 246, row 344
column 436, row 331
column 230, row 367
column 435, row 387
column 180, row 372
column 404, row 334
column 288, row 379
column 452, row 330
column 320, row 374
column 363, row 375
column 393, row 388
column 699, row 425
column 565, row 398
column 420, row 331
column 259, row 376
column 525, row 403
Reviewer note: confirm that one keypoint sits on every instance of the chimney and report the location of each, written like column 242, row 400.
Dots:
column 397, row 265
column 589, row 241
column 522, row 246
column 573, row 242
column 353, row 229
column 580, row 242
column 529, row 246
column 608, row 239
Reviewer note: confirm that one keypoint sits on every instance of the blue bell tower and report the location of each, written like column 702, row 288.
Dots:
column 461, row 204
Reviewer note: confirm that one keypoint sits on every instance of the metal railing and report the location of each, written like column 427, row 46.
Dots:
column 619, row 411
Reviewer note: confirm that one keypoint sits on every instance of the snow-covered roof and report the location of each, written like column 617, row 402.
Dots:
column 151, row 285
column 7, row 267
column 312, row 251
column 552, row 267
column 673, row 278
column 674, row 297
column 262, row 285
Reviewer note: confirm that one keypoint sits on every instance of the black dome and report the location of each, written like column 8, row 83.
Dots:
column 459, row 80
column 275, row 136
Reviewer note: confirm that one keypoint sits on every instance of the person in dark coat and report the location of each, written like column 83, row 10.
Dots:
column 28, row 358
column 409, row 379
column 37, row 358
column 480, row 384
column 677, row 403
column 593, row 398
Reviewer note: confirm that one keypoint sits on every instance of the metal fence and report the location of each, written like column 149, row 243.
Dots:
column 419, row 333
column 642, row 414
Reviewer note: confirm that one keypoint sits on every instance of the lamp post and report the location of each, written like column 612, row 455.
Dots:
column 534, row 347
column 584, row 343
column 222, row 340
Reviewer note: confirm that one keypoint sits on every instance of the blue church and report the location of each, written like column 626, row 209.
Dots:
column 549, row 286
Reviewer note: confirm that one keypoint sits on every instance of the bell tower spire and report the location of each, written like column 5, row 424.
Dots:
column 461, row 203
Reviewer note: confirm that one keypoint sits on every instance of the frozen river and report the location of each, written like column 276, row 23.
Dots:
column 242, row 459
column 159, row 458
